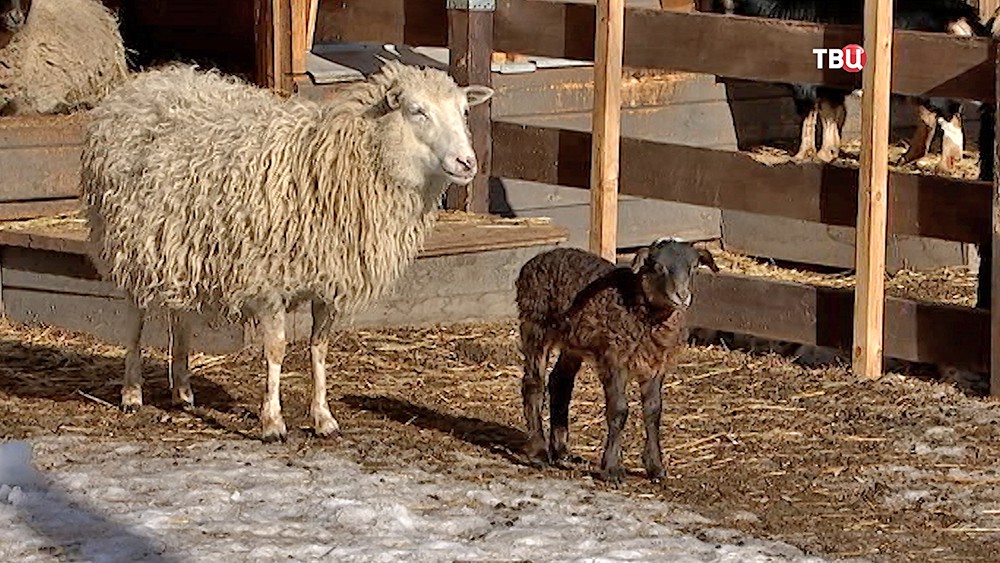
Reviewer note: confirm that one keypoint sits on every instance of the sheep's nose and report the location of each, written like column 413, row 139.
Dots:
column 466, row 163
column 684, row 295
column 15, row 20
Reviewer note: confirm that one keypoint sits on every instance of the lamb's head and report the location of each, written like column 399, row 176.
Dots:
column 428, row 113
column 13, row 15
column 666, row 268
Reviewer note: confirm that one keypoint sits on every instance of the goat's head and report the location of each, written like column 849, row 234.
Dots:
column 666, row 268
column 432, row 116
column 13, row 15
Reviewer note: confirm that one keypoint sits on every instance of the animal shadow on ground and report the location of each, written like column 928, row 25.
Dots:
column 497, row 438
column 74, row 530
column 42, row 371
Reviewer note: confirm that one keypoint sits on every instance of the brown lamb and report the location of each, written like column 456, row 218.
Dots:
column 628, row 322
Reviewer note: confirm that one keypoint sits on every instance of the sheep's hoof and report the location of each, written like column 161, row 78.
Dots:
column 827, row 155
column 611, row 475
column 804, row 156
column 274, row 432
column 130, row 408
column 325, row 426
column 182, row 398
column 655, row 474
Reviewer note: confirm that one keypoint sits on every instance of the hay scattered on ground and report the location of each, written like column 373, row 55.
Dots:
column 896, row 470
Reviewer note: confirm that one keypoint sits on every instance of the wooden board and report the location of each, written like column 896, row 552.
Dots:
column 932, row 64
column 918, row 332
column 40, row 157
column 922, row 205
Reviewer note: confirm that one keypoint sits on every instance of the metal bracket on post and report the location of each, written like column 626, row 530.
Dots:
column 472, row 5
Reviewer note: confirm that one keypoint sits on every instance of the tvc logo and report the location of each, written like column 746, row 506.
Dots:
column 851, row 58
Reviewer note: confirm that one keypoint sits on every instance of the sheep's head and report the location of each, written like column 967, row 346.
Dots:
column 666, row 268
column 13, row 15
column 431, row 112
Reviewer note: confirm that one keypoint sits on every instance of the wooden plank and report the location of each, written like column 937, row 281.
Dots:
column 346, row 21
column 869, row 305
column 282, row 45
column 264, row 55
column 915, row 331
column 300, row 42
column 311, row 30
column 606, row 143
column 922, row 205
column 994, row 253
column 12, row 211
column 928, row 63
column 470, row 34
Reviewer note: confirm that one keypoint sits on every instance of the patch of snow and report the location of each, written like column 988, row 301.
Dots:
column 244, row 501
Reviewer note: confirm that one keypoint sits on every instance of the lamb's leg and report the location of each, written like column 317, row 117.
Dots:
column 180, row 392
column 616, row 413
column 132, row 387
column 807, row 143
column 952, row 143
column 652, row 408
column 920, row 143
column 561, row 382
column 830, row 148
column 533, row 390
column 323, row 422
column 273, row 328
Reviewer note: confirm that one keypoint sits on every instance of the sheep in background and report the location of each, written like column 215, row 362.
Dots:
column 65, row 55
column 629, row 322
column 206, row 194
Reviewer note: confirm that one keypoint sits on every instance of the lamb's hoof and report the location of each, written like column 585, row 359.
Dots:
column 130, row 408
column 274, row 431
column 612, row 475
column 131, row 399
column 325, row 426
column 655, row 474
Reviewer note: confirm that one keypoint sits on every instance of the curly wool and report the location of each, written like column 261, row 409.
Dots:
column 68, row 56
column 206, row 193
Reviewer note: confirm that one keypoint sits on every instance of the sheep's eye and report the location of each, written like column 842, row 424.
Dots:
column 419, row 111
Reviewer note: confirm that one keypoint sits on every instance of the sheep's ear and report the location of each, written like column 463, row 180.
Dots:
column 477, row 94
column 705, row 257
column 640, row 259
column 392, row 98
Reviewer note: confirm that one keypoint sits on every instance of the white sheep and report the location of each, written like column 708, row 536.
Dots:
column 58, row 56
column 207, row 194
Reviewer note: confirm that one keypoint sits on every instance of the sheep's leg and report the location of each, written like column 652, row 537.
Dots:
column 180, row 392
column 561, row 382
column 830, row 148
column 616, row 413
column 952, row 143
column 132, row 387
column 652, row 409
column 920, row 143
column 533, row 390
column 323, row 422
column 807, row 143
column 273, row 329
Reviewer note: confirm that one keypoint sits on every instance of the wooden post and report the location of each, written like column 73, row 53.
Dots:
column 869, row 296
column 607, row 128
column 301, row 42
column 470, row 42
column 274, row 44
column 994, row 250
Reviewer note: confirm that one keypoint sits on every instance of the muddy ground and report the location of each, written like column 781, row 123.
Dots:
column 902, row 469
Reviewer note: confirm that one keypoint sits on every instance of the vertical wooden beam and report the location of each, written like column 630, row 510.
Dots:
column 313, row 15
column 869, row 298
column 264, row 36
column 470, row 42
column 300, row 43
column 607, row 128
column 994, row 250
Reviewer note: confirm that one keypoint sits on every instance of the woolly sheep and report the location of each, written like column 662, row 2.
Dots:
column 209, row 195
column 59, row 56
column 628, row 322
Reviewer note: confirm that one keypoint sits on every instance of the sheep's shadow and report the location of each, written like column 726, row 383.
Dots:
column 42, row 371
column 497, row 438
column 75, row 530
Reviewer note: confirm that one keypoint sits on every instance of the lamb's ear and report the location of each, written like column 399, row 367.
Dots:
column 640, row 257
column 477, row 94
column 705, row 257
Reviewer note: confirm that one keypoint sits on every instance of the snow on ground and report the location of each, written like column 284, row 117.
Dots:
column 244, row 501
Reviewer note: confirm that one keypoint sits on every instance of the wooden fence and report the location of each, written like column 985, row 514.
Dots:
column 777, row 51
